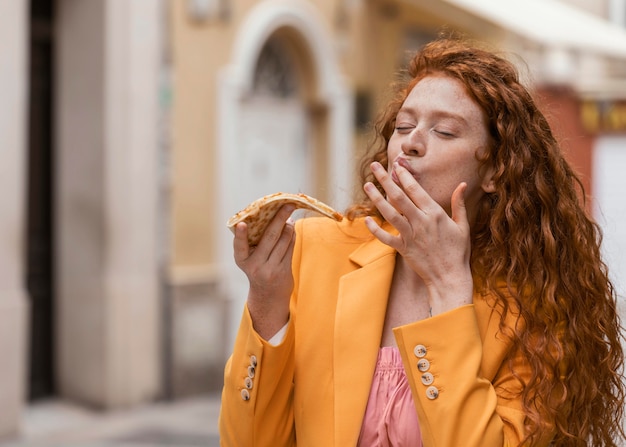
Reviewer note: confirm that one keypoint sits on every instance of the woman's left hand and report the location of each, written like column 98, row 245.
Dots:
column 435, row 245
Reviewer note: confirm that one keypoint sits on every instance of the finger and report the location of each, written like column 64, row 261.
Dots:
column 396, row 195
column 273, row 231
column 241, row 249
column 292, row 242
column 386, row 181
column 413, row 190
column 459, row 211
column 284, row 243
column 388, row 211
column 380, row 234
column 397, row 208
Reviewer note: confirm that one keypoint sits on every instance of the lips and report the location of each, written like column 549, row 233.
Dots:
column 406, row 165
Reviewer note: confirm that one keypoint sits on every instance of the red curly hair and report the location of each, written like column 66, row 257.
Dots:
column 534, row 235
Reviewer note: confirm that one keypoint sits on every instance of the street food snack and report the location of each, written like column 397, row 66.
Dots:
column 258, row 214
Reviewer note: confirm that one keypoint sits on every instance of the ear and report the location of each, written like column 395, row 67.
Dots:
column 487, row 184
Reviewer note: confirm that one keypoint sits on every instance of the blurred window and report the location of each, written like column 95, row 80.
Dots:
column 414, row 38
column 617, row 12
column 275, row 73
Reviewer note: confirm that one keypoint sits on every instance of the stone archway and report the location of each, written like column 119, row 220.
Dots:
column 275, row 150
column 329, row 106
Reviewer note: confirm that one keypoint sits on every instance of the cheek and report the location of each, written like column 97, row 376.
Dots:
column 393, row 150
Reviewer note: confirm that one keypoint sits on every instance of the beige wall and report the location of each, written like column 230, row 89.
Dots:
column 197, row 347
column 199, row 50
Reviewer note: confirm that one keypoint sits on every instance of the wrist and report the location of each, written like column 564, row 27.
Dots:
column 267, row 320
column 447, row 296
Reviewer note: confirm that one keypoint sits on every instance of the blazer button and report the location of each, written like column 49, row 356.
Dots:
column 245, row 395
column 423, row 365
column 419, row 351
column 432, row 392
column 253, row 360
column 251, row 371
column 248, row 383
column 427, row 378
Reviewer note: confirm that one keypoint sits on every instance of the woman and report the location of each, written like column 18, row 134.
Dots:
column 462, row 303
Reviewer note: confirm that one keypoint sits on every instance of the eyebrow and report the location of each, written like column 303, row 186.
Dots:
column 436, row 114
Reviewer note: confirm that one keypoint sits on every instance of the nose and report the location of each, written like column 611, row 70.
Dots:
column 414, row 143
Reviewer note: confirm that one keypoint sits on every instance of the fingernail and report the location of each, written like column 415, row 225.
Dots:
column 375, row 166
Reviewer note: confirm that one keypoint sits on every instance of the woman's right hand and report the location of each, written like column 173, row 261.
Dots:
column 268, row 268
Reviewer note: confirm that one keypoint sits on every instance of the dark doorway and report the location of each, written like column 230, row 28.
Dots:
column 40, row 218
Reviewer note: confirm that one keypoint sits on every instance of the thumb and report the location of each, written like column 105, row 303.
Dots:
column 459, row 212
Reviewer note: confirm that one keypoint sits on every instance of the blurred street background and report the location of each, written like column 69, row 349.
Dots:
column 131, row 130
column 189, row 422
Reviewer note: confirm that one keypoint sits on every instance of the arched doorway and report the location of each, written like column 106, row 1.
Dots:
column 276, row 151
column 298, row 122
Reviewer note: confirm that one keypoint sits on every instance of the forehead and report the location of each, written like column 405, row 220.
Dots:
column 442, row 92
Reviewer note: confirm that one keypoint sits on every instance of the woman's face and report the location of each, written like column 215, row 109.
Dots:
column 439, row 132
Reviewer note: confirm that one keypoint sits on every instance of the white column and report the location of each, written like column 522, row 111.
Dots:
column 109, row 345
column 609, row 162
column 13, row 150
column 609, row 182
column 617, row 12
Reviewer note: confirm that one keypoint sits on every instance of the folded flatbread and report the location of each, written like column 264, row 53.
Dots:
column 260, row 213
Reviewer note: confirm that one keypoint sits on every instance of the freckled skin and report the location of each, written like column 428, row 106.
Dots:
column 439, row 131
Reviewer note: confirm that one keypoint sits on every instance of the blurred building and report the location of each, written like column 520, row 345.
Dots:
column 131, row 130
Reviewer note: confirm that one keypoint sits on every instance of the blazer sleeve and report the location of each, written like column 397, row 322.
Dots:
column 257, row 398
column 457, row 401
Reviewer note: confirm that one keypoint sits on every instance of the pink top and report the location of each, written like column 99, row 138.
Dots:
column 390, row 417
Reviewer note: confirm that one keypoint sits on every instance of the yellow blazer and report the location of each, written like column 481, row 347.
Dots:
column 312, row 389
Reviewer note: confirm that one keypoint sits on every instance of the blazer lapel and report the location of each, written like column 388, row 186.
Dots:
column 361, row 308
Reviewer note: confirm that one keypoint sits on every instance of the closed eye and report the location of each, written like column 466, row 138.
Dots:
column 404, row 129
column 444, row 133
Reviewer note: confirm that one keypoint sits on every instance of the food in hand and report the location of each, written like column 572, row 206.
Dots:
column 258, row 214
